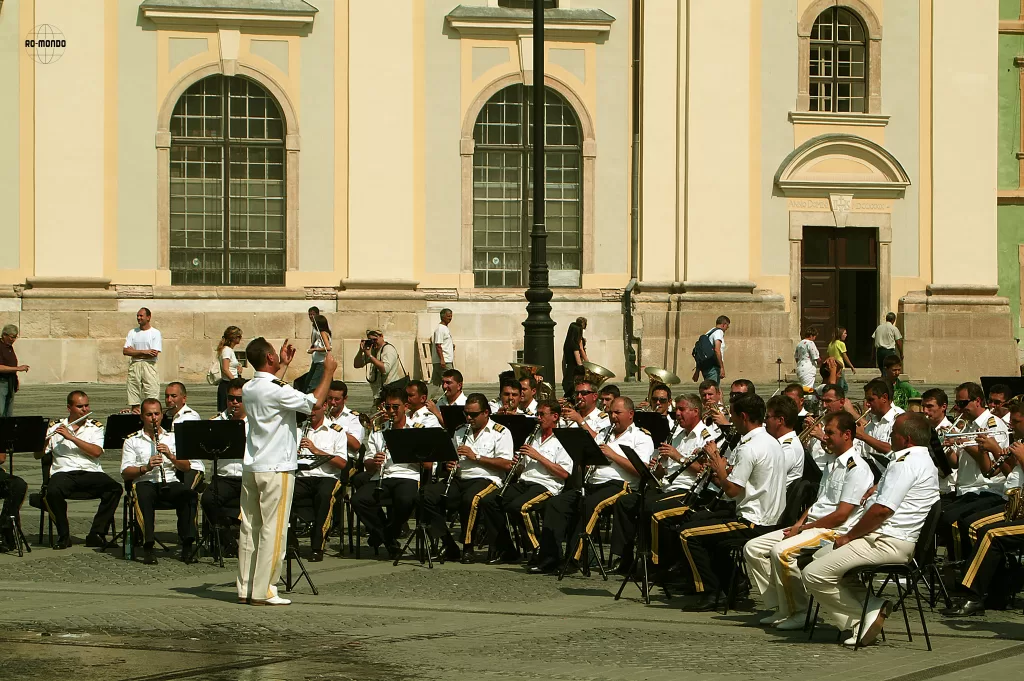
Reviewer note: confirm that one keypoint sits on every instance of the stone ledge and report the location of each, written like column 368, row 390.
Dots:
column 229, row 293
column 67, row 282
column 961, row 290
column 379, row 284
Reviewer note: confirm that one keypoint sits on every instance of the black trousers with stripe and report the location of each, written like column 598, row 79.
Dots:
column 82, row 484
column 319, row 492
column 998, row 540
column 226, row 504
column 701, row 542
column 954, row 528
column 561, row 516
column 175, row 495
column 400, row 494
column 465, row 496
column 625, row 514
column 516, row 504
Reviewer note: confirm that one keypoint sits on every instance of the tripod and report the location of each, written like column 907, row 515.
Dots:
column 213, row 539
column 639, row 573
column 292, row 554
column 419, row 533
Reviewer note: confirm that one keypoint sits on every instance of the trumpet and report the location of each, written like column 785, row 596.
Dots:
column 374, row 422
column 949, row 438
column 56, row 427
column 805, row 434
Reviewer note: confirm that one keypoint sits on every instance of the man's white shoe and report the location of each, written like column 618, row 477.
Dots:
column 878, row 610
column 275, row 600
column 772, row 619
column 792, row 623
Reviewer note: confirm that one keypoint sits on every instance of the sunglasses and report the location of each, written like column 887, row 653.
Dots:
column 234, row 398
column 661, row 399
column 584, row 393
column 390, row 407
column 962, row 403
column 472, row 414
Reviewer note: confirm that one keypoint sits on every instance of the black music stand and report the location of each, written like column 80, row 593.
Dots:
column 210, row 440
column 419, row 446
column 1015, row 383
column 117, row 430
column 654, row 423
column 520, row 425
column 21, row 434
column 638, row 574
column 584, row 451
column 453, row 415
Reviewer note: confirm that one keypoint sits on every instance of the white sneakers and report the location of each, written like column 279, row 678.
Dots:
column 274, row 600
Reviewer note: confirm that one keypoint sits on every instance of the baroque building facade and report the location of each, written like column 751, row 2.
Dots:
column 784, row 162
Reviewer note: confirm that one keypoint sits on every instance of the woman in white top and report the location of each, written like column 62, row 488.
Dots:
column 228, row 363
column 319, row 346
column 807, row 358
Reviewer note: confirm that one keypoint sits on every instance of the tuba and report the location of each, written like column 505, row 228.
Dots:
column 657, row 376
column 545, row 391
column 595, row 374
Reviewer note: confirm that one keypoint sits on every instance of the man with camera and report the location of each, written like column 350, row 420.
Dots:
column 381, row 358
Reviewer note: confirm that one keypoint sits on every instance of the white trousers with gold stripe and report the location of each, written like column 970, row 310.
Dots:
column 771, row 566
column 266, row 505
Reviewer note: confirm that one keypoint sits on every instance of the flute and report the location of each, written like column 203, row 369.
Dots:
column 72, row 423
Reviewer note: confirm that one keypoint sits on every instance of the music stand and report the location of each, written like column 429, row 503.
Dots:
column 419, row 446
column 1015, row 383
column 584, row 451
column 454, row 415
column 654, row 423
column 638, row 574
column 210, row 440
column 21, row 434
column 117, row 430
column 520, row 425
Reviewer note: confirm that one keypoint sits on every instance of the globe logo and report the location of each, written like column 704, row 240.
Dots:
column 45, row 44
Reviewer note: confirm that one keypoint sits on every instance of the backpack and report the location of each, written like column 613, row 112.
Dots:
column 704, row 350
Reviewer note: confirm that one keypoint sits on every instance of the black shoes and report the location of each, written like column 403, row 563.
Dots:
column 316, row 556
column 188, row 556
column 506, row 558
column 545, row 567
column 147, row 556
column 394, row 551
column 705, row 603
column 94, row 540
column 62, row 543
column 965, row 607
column 467, row 557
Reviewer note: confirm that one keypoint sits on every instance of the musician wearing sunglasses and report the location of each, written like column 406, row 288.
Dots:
column 223, row 504
column 75, row 470
column 585, row 413
column 978, row 487
column 998, row 401
column 485, row 450
column 685, row 441
column 546, row 466
column 395, row 485
column 877, row 432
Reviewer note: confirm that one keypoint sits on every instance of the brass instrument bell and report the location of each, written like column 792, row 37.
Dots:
column 659, row 375
column 595, row 374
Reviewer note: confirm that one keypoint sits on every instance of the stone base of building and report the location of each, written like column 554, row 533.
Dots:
column 957, row 333
column 672, row 316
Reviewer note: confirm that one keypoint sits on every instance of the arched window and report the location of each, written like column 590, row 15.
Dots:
column 503, row 178
column 838, row 62
column 227, row 194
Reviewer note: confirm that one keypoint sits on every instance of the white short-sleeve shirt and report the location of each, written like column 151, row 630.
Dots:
column 760, row 470
column 137, row 449
column 793, row 454
column 494, row 441
column 969, row 479
column 150, row 339
column 443, row 337
column 552, row 450
column 909, row 486
column 328, row 437
column 633, row 437
column 233, row 363
column 686, row 443
column 846, row 479
column 67, row 456
column 271, row 404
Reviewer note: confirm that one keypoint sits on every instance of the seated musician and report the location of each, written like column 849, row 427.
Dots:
column 148, row 459
column 979, row 488
column 223, row 503
column 420, row 411
column 321, row 483
column 609, row 393
column 585, row 413
column 999, row 396
column 934, row 405
column 987, row 578
column 395, row 485
column 602, row 487
column 680, row 469
column 885, row 532
column 508, row 399
column 76, row 471
column 795, row 391
column 781, row 422
column 757, row 482
column 771, row 558
column 12, row 490
column 881, row 414
column 485, row 456
column 710, row 397
column 833, row 400
column 546, row 468
column 176, row 408
column 451, row 383
column 661, row 403
column 528, row 395
column 348, row 419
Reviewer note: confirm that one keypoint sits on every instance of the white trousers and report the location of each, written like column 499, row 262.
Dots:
column 771, row 565
column 841, row 598
column 266, row 503
column 143, row 382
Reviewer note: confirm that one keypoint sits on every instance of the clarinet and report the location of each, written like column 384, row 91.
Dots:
column 455, row 469
column 517, row 459
column 590, row 469
column 1006, row 456
column 380, row 476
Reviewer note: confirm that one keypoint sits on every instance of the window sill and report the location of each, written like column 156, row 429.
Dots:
column 831, row 118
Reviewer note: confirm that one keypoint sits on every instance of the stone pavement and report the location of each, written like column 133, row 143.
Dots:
column 91, row 615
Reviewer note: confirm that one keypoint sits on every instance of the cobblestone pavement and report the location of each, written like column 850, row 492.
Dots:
column 87, row 614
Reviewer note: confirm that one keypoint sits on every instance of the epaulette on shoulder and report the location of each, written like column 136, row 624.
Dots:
column 992, row 421
column 96, row 423
column 645, row 431
column 498, row 427
column 278, row 381
column 902, row 457
column 851, row 464
column 529, row 413
column 602, row 414
column 417, row 425
column 135, row 434
column 705, row 433
column 353, row 412
column 335, row 427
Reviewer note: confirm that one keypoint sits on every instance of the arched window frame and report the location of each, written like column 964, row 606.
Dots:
column 291, row 145
column 467, row 148
column 873, row 29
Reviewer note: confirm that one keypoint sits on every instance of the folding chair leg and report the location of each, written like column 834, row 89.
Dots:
column 863, row 616
column 814, row 619
column 903, row 607
column 920, row 611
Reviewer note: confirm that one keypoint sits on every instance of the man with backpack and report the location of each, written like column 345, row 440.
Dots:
column 709, row 352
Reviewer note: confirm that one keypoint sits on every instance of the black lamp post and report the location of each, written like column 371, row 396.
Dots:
column 539, row 334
